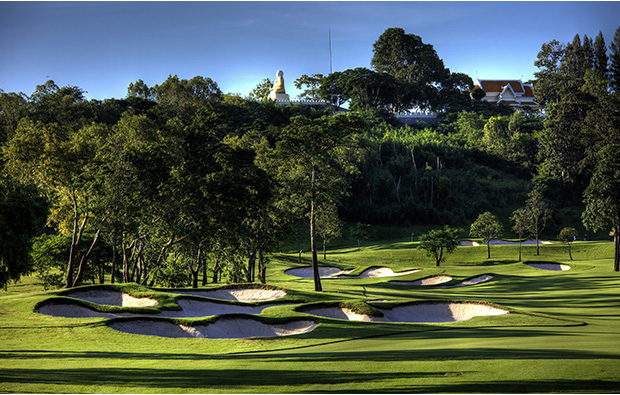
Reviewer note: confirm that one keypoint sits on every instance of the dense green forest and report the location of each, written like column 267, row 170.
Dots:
column 179, row 183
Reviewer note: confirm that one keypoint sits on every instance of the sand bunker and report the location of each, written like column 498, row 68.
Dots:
column 334, row 272
column 110, row 297
column 439, row 312
column 382, row 272
column 524, row 242
column 550, row 266
column 224, row 328
column 427, row 312
column 471, row 281
column 469, row 243
column 203, row 308
column 340, row 313
column 324, row 272
column 433, row 280
column 248, row 295
column 191, row 308
column 70, row 310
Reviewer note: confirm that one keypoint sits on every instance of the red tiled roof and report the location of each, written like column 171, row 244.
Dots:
column 529, row 92
column 498, row 85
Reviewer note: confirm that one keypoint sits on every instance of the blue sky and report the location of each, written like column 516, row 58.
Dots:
column 103, row 46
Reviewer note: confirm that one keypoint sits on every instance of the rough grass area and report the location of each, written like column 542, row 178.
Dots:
column 561, row 334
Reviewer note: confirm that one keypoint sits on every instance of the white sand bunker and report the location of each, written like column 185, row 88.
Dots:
column 471, row 281
column 427, row 312
column 440, row 312
column 247, row 295
column 432, row 280
column 468, row 243
column 382, row 272
column 524, row 242
column 203, row 308
column 113, row 298
column 550, row 266
column 190, row 308
column 324, row 272
column 224, row 328
column 70, row 310
column 340, row 313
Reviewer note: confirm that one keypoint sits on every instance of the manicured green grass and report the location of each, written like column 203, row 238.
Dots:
column 561, row 335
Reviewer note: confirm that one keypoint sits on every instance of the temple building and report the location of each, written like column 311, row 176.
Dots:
column 511, row 92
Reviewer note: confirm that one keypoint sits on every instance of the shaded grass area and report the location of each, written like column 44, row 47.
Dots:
column 561, row 335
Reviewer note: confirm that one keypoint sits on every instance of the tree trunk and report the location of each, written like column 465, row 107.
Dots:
column 216, row 268
column 113, row 260
column 75, row 240
column 204, row 273
column 299, row 244
column 488, row 249
column 145, row 272
column 315, row 263
column 415, row 170
column 249, row 274
column 102, row 273
column 78, row 276
column 438, row 176
column 194, row 272
column 262, row 269
column 397, row 188
column 617, row 248
column 125, row 259
column 324, row 250
column 520, row 236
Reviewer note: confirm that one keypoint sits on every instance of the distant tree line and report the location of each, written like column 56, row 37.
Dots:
column 179, row 184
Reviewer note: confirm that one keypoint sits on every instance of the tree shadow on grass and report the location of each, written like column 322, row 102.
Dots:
column 307, row 355
column 208, row 379
column 236, row 380
column 513, row 387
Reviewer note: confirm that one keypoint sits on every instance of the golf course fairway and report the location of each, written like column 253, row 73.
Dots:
column 551, row 330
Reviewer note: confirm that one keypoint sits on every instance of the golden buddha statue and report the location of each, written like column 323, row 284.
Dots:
column 278, row 93
column 278, row 85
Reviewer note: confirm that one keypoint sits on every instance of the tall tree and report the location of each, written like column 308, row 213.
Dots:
column 65, row 105
column 538, row 213
column 415, row 65
column 574, row 63
column 550, row 81
column 602, row 197
column 364, row 89
column 439, row 242
column 313, row 158
column 140, row 90
column 22, row 215
column 310, row 85
column 328, row 225
column 588, row 50
column 183, row 98
column 520, row 220
column 614, row 66
column 600, row 54
column 568, row 236
column 488, row 227
column 13, row 107
column 261, row 91
column 60, row 161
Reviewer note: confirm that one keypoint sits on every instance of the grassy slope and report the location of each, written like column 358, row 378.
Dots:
column 521, row 352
